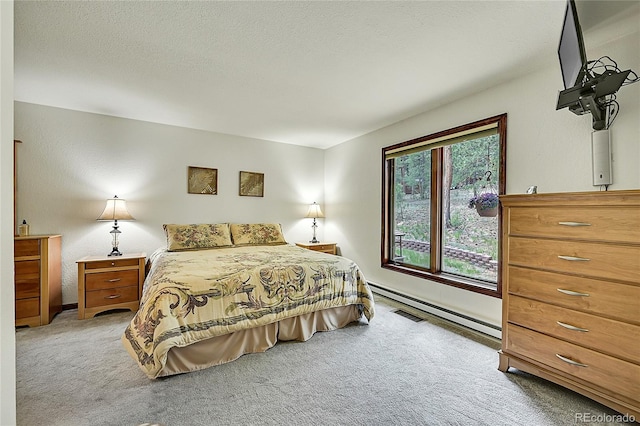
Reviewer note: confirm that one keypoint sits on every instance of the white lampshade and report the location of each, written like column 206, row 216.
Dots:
column 314, row 211
column 116, row 209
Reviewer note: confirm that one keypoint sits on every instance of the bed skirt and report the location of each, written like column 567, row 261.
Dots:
column 222, row 349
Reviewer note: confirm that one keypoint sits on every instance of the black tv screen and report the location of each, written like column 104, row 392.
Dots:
column 571, row 52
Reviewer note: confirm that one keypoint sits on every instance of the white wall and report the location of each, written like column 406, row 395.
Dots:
column 7, row 331
column 545, row 147
column 70, row 162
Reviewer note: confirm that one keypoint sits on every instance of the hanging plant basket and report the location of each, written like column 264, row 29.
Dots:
column 486, row 204
column 487, row 212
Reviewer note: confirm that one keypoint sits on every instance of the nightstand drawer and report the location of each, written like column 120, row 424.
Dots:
column 111, row 296
column 329, row 248
column 105, row 280
column 111, row 263
column 23, row 248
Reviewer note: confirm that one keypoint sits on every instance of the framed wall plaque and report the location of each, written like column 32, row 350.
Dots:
column 202, row 181
column 252, row 184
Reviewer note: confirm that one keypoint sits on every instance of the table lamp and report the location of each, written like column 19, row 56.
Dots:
column 314, row 212
column 115, row 210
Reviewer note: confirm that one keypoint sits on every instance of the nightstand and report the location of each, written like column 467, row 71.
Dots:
column 323, row 247
column 106, row 283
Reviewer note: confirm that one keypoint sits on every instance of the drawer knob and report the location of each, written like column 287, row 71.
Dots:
column 571, row 327
column 570, row 361
column 113, row 263
column 113, row 296
column 574, row 224
column 114, row 280
column 572, row 293
column 573, row 258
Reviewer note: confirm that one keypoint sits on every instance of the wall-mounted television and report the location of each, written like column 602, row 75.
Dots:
column 571, row 52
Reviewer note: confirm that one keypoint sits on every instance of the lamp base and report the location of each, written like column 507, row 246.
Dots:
column 115, row 252
column 115, row 232
column 314, row 226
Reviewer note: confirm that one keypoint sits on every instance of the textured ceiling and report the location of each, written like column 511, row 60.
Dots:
column 305, row 73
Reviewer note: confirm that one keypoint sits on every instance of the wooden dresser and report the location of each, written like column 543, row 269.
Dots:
column 106, row 283
column 38, row 279
column 571, row 292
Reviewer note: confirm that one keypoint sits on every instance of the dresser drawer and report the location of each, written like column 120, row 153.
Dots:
column 616, row 224
column 29, row 247
column 25, row 290
column 615, row 338
column 613, row 300
column 112, row 279
column 26, row 308
column 601, row 370
column 111, row 263
column 597, row 260
column 27, row 279
column 111, row 296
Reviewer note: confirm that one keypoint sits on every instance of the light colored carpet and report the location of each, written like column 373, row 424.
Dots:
column 391, row 372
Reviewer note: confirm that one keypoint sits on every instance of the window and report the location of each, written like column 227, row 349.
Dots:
column 440, row 215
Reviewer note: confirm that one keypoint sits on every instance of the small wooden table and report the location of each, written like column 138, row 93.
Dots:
column 109, row 282
column 323, row 247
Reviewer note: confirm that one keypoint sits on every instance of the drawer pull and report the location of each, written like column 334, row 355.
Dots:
column 113, row 296
column 573, row 258
column 572, row 293
column 571, row 327
column 114, row 280
column 574, row 224
column 570, row 361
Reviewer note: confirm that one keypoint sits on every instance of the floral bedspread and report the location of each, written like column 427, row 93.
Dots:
column 194, row 295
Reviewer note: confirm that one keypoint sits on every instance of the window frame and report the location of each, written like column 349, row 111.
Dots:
column 434, row 272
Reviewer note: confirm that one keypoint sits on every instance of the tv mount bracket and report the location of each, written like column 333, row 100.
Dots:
column 589, row 97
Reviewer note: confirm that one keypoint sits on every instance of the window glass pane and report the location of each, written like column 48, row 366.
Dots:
column 434, row 232
column 412, row 209
column 470, row 233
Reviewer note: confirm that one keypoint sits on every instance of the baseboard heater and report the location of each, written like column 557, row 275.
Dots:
column 439, row 311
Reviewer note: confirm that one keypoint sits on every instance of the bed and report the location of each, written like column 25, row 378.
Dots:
column 218, row 291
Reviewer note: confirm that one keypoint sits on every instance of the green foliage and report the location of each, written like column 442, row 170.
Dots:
column 454, row 266
column 416, row 258
column 460, row 267
column 474, row 168
column 457, row 221
column 413, row 175
column 474, row 162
